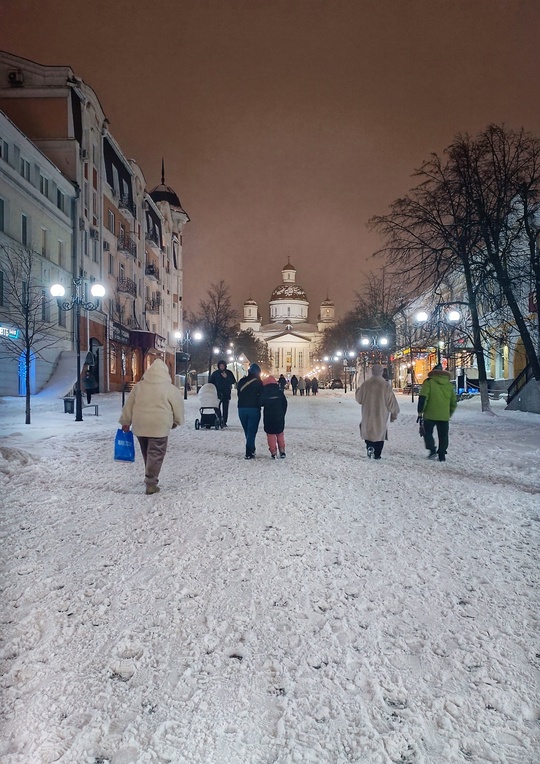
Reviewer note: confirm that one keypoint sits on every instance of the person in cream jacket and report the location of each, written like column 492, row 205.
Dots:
column 153, row 408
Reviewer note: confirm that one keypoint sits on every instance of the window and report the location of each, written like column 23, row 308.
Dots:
column 2, row 215
column 44, row 306
column 111, row 221
column 121, row 271
column 44, row 242
column 61, row 253
column 85, row 242
column 113, row 360
column 4, row 150
column 111, row 263
column 122, row 231
column 62, row 316
column 85, row 197
column 24, row 168
column 2, row 288
column 44, row 185
column 95, row 243
column 24, row 229
column 60, row 200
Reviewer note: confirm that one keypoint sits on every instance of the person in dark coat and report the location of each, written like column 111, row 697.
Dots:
column 223, row 379
column 314, row 386
column 249, row 406
column 308, row 385
column 274, row 405
column 282, row 382
column 294, row 384
column 89, row 383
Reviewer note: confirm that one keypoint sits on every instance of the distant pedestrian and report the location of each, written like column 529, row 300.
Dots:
column 282, row 382
column 249, row 406
column 294, row 384
column 224, row 380
column 378, row 403
column 301, row 385
column 437, row 402
column 154, row 407
column 308, row 385
column 314, row 386
column 89, row 385
column 274, row 405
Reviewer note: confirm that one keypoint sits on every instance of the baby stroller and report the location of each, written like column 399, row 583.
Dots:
column 209, row 415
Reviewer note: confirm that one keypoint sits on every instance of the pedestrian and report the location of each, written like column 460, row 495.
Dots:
column 274, row 404
column 308, row 385
column 282, row 382
column 89, row 384
column 314, row 386
column 301, row 385
column 249, row 406
column 378, row 403
column 224, row 380
column 294, row 384
column 437, row 402
column 153, row 408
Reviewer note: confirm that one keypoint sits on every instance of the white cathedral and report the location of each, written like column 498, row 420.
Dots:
column 292, row 342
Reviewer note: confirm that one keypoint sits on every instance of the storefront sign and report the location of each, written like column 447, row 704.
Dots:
column 9, row 332
column 119, row 333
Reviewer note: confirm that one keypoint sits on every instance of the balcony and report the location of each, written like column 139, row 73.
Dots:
column 153, row 306
column 126, row 244
column 153, row 237
column 125, row 204
column 127, row 285
column 152, row 271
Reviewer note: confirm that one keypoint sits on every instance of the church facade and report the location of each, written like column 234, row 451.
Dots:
column 291, row 340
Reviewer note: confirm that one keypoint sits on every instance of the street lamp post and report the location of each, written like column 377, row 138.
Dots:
column 372, row 340
column 76, row 303
column 184, row 341
column 453, row 316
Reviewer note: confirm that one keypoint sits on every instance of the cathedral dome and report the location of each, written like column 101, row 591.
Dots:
column 288, row 292
column 250, row 302
column 288, row 267
column 327, row 303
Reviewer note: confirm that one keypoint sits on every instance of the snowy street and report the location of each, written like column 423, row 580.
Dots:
column 323, row 609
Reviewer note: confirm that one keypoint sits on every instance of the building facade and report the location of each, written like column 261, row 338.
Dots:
column 36, row 230
column 124, row 237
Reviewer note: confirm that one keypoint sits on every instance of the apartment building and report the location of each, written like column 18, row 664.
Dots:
column 124, row 237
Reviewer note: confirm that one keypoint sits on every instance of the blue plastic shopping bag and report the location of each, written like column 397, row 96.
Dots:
column 124, row 446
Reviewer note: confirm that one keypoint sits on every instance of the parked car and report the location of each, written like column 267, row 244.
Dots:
column 336, row 384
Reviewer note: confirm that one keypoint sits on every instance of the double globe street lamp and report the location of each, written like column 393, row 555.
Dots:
column 452, row 317
column 184, row 341
column 76, row 303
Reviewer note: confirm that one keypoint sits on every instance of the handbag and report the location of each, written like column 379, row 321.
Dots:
column 421, row 428
column 124, row 446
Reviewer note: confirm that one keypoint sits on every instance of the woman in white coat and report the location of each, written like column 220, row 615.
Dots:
column 378, row 403
column 153, row 408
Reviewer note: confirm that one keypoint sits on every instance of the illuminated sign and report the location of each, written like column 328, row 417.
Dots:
column 10, row 333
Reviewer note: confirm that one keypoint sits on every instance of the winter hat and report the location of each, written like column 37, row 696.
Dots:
column 222, row 362
column 255, row 369
column 270, row 380
column 377, row 370
column 438, row 366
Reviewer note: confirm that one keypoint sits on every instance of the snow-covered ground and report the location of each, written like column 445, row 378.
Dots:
column 324, row 608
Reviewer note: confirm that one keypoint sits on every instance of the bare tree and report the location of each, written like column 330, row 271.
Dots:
column 26, row 307
column 255, row 350
column 469, row 216
column 215, row 318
